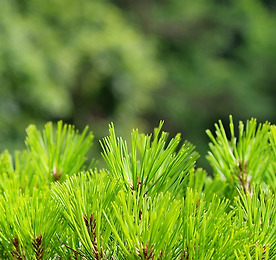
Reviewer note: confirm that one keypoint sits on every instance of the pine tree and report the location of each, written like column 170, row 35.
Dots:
column 150, row 202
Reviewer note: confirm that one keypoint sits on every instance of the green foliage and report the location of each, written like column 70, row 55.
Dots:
column 83, row 200
column 243, row 159
column 28, row 225
column 209, row 232
column 146, row 227
column 49, row 156
column 258, row 212
column 150, row 203
column 151, row 167
column 5, row 162
column 55, row 154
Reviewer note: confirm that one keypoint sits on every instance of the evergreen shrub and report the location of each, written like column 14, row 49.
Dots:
column 150, row 202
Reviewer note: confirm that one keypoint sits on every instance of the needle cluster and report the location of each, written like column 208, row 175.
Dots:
column 150, row 202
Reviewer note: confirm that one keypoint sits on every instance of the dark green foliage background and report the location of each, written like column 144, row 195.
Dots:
column 134, row 63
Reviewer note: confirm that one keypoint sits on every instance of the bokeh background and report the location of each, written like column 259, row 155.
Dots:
column 134, row 63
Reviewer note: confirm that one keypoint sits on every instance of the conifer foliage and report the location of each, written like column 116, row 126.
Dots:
column 150, row 202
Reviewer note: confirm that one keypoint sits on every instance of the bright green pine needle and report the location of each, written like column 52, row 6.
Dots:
column 152, row 165
column 150, row 203
column 58, row 153
column 241, row 160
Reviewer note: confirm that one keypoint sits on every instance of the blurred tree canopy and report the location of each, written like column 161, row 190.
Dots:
column 136, row 62
column 77, row 61
column 220, row 58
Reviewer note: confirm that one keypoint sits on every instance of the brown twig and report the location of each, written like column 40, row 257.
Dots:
column 147, row 252
column 76, row 253
column 17, row 253
column 56, row 174
column 37, row 244
column 91, row 227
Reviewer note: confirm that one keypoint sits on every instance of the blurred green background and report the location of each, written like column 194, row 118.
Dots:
column 91, row 62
